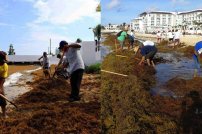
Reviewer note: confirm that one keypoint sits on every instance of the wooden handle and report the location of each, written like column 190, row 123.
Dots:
column 8, row 100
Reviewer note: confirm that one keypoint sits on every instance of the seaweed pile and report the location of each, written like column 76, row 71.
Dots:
column 127, row 107
column 45, row 108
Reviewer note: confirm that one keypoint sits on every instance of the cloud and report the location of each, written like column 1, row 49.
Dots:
column 64, row 12
column 113, row 3
column 180, row 2
column 53, row 20
column 37, row 39
column 152, row 8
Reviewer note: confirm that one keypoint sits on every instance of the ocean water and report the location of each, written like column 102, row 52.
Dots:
column 180, row 67
column 15, row 85
column 12, row 79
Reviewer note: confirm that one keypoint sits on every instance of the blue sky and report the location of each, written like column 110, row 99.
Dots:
column 119, row 11
column 29, row 24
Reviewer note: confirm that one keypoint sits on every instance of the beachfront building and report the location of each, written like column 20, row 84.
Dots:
column 190, row 21
column 137, row 25
column 151, row 22
column 112, row 27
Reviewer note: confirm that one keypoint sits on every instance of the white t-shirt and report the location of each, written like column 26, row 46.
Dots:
column 158, row 35
column 170, row 35
column 46, row 61
column 177, row 35
column 148, row 43
column 74, row 58
column 163, row 35
column 132, row 34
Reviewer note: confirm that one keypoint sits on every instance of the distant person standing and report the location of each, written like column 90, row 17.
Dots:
column 45, row 64
column 196, row 55
column 76, row 66
column 163, row 35
column 177, row 35
column 170, row 36
column 122, row 38
column 132, row 33
column 158, row 37
column 3, row 76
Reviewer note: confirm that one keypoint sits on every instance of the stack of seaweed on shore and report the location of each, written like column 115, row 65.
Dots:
column 127, row 107
column 45, row 108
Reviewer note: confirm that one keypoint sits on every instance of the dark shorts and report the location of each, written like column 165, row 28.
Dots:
column 2, row 100
column 151, row 54
column 45, row 67
column 177, row 40
column 170, row 39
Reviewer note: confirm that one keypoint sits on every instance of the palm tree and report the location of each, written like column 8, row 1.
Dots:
column 97, row 34
column 109, row 25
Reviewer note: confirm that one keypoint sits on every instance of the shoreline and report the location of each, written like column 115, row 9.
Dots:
column 188, row 40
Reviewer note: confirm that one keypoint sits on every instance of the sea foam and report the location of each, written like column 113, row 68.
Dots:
column 12, row 79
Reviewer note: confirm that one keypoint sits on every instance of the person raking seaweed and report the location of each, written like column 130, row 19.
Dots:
column 62, row 70
column 76, row 66
column 3, row 76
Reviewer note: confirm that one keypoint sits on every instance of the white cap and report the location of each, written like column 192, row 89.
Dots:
column 148, row 43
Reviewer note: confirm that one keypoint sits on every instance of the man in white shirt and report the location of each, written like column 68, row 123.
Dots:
column 176, row 38
column 170, row 36
column 76, row 66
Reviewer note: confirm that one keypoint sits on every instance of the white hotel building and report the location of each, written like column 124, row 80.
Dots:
column 149, row 22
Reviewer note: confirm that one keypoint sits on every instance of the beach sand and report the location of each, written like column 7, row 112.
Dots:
column 188, row 40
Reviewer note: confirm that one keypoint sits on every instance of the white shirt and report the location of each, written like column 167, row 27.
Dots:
column 170, row 35
column 177, row 35
column 46, row 61
column 148, row 43
column 163, row 35
column 132, row 34
column 74, row 58
column 158, row 35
